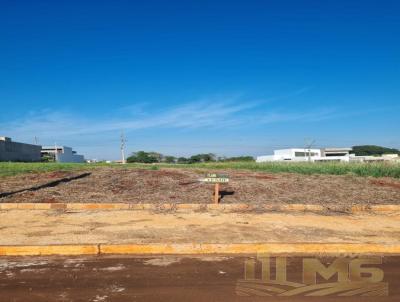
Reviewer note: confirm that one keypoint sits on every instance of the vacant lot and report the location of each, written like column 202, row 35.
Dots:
column 378, row 169
column 172, row 185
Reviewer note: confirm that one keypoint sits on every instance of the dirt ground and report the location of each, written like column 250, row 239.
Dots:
column 106, row 184
column 41, row 227
column 175, row 278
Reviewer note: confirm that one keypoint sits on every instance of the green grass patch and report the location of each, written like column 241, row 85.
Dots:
column 15, row 168
column 9, row 168
column 380, row 169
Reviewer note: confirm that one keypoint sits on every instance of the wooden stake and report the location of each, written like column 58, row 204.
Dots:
column 216, row 193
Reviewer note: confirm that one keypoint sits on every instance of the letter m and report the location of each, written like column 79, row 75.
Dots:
column 313, row 266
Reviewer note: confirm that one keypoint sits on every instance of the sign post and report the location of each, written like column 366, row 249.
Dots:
column 216, row 193
column 216, row 179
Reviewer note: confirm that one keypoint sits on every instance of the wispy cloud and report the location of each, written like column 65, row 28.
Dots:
column 201, row 114
column 219, row 112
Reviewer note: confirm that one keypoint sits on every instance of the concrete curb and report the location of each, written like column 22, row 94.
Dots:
column 41, row 250
column 376, row 209
column 250, row 248
column 196, row 249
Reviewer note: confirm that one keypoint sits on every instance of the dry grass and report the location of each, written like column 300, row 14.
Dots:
column 109, row 184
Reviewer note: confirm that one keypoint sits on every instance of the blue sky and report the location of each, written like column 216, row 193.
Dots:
column 184, row 77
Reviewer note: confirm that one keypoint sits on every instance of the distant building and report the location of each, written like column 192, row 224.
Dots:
column 19, row 152
column 62, row 154
column 304, row 154
column 92, row 161
column 292, row 154
column 322, row 155
column 336, row 154
column 329, row 152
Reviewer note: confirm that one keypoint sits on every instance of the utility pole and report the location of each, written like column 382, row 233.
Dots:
column 55, row 152
column 36, row 140
column 123, row 140
column 308, row 144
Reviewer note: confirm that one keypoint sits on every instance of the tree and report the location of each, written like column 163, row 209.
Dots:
column 182, row 160
column 170, row 159
column 239, row 158
column 47, row 158
column 202, row 158
column 208, row 157
column 366, row 150
column 194, row 159
column 155, row 157
column 143, row 157
column 158, row 156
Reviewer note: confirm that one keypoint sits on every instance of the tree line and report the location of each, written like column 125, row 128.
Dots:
column 155, row 157
column 373, row 150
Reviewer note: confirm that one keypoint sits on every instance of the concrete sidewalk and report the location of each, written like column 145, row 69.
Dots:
column 26, row 227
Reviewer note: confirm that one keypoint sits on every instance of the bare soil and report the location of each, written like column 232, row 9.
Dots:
column 41, row 227
column 106, row 184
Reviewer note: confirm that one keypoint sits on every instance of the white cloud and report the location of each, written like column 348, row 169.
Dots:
column 98, row 137
column 53, row 124
column 212, row 113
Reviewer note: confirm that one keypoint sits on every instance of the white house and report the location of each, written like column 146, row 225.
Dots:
column 304, row 154
column 322, row 155
column 63, row 154
column 293, row 154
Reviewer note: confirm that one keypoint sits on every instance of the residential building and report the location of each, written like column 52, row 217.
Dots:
column 19, row 152
column 305, row 154
column 292, row 154
column 62, row 154
column 328, row 152
column 322, row 155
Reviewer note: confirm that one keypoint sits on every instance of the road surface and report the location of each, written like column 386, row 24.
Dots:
column 178, row 278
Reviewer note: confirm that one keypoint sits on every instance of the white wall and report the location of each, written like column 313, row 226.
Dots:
column 68, row 157
column 289, row 155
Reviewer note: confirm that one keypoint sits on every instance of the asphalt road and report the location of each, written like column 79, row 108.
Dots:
column 177, row 278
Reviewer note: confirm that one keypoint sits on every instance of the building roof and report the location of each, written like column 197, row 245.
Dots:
column 337, row 149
